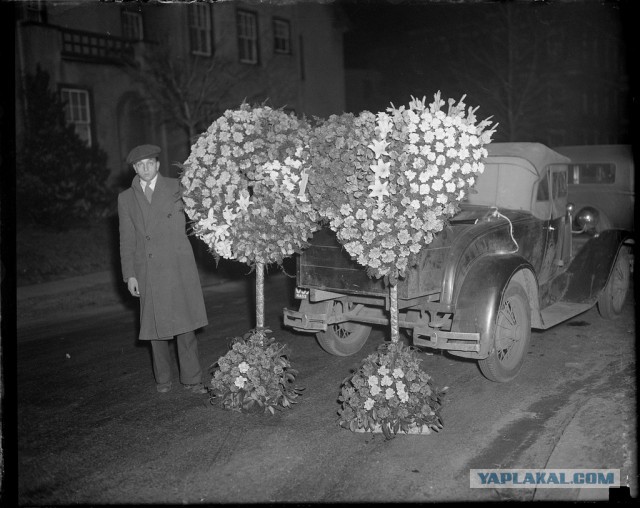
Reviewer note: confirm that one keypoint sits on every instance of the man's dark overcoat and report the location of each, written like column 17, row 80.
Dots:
column 154, row 249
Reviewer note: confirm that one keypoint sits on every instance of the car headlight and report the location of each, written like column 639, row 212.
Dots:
column 587, row 218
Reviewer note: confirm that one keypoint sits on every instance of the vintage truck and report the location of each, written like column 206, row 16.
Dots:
column 511, row 260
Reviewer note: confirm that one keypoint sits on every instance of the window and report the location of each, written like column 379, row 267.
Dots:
column 543, row 189
column 77, row 111
column 200, row 29
column 248, row 37
column 281, row 36
column 95, row 47
column 35, row 10
column 559, row 184
column 132, row 25
column 587, row 172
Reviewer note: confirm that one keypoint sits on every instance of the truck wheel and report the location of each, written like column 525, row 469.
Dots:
column 613, row 295
column 343, row 339
column 511, row 336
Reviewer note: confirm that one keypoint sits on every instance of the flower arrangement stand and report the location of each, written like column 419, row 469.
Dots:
column 259, row 295
column 411, row 167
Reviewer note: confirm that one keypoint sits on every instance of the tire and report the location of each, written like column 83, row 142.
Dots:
column 611, row 300
column 511, row 336
column 343, row 339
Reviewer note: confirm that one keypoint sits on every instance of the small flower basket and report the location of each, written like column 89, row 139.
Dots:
column 254, row 376
column 390, row 393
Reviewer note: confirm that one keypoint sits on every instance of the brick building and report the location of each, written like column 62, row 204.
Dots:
column 289, row 54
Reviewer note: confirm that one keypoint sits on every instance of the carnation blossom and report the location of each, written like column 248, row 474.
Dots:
column 415, row 159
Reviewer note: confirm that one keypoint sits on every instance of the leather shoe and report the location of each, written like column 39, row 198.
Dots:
column 197, row 388
column 163, row 388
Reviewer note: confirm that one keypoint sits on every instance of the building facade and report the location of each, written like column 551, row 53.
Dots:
column 133, row 72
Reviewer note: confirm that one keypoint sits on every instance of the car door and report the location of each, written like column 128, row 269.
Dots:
column 552, row 196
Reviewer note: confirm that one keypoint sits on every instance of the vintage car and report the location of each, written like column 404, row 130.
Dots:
column 509, row 261
column 601, row 185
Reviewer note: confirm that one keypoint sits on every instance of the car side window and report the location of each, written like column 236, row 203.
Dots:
column 543, row 189
column 559, row 184
column 586, row 172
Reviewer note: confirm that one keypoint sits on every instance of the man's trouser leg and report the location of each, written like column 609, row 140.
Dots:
column 161, row 362
column 190, row 369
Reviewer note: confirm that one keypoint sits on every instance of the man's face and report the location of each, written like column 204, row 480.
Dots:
column 147, row 169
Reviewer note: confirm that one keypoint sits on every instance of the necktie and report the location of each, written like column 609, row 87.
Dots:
column 148, row 192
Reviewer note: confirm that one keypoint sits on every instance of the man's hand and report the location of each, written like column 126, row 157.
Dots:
column 132, row 285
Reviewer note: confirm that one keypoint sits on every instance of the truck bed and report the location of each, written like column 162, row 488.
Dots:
column 326, row 265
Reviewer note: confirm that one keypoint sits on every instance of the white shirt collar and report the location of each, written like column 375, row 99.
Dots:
column 151, row 184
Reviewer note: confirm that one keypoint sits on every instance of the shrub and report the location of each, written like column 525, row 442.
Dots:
column 59, row 178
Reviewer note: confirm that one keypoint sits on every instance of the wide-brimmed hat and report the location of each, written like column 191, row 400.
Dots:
column 143, row 152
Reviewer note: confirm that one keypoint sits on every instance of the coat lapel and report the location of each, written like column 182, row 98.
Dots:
column 161, row 202
column 141, row 199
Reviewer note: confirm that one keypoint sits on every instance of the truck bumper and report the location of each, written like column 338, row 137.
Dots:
column 426, row 337
column 305, row 322
column 449, row 341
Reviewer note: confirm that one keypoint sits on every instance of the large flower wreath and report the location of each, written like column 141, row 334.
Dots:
column 245, row 185
column 419, row 163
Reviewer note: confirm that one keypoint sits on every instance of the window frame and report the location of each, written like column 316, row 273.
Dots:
column 87, row 124
column 582, row 173
column 200, row 33
column 34, row 11
column 252, row 40
column 138, row 25
column 276, row 21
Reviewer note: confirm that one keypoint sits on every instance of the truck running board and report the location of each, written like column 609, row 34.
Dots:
column 561, row 311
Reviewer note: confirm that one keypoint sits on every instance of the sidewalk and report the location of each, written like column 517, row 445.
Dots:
column 102, row 292
column 74, row 284
column 84, row 295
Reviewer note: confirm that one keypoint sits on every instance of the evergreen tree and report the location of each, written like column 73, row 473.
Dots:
column 60, row 180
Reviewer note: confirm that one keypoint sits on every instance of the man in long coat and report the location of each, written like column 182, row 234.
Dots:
column 158, row 266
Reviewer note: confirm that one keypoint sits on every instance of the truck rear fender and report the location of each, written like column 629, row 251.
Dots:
column 478, row 298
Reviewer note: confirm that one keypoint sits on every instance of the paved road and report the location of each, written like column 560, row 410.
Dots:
column 92, row 429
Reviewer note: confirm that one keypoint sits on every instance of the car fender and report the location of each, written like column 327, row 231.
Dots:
column 590, row 270
column 478, row 299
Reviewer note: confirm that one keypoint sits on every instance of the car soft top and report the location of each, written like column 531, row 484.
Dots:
column 539, row 155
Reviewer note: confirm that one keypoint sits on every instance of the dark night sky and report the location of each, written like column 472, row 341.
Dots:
column 405, row 42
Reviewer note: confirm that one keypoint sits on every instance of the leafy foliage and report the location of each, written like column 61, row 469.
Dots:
column 255, row 375
column 59, row 178
column 390, row 391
